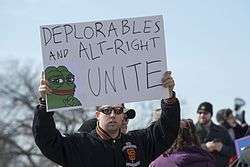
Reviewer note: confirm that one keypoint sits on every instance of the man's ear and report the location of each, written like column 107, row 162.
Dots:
column 97, row 114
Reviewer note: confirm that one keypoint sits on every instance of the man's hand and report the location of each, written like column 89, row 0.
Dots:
column 43, row 87
column 168, row 82
column 218, row 146
column 211, row 146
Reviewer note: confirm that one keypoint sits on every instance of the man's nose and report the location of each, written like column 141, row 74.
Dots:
column 112, row 113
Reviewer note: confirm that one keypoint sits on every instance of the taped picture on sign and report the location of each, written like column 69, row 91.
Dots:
column 62, row 83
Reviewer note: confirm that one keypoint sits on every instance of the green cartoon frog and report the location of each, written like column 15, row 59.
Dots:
column 61, row 82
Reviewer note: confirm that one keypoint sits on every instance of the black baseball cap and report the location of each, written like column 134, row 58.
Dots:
column 130, row 113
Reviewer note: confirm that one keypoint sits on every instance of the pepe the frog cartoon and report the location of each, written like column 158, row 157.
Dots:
column 61, row 82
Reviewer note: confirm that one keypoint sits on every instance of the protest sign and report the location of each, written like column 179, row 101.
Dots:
column 104, row 62
column 241, row 144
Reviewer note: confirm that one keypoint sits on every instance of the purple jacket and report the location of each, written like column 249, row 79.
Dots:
column 188, row 157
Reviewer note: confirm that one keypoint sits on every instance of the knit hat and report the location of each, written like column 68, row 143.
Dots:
column 205, row 107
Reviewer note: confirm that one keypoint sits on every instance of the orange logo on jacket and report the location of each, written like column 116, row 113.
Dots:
column 131, row 154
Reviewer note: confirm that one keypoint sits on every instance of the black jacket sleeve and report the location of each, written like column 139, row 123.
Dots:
column 52, row 144
column 47, row 137
column 228, row 148
column 160, row 135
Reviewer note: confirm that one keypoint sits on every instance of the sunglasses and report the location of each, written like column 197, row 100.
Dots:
column 108, row 110
column 203, row 112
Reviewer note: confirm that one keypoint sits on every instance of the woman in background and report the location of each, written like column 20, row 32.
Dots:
column 185, row 151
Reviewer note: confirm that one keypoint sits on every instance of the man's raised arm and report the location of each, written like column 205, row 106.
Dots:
column 160, row 135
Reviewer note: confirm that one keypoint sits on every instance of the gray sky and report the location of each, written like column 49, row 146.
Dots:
column 207, row 41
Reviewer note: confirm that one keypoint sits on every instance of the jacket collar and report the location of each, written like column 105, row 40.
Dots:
column 214, row 126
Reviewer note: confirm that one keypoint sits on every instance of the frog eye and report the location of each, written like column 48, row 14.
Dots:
column 60, row 80
column 53, row 80
column 56, row 81
column 71, row 79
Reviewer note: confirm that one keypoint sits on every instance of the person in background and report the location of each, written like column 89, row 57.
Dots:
column 226, row 119
column 239, row 113
column 215, row 139
column 185, row 151
column 156, row 114
column 128, row 114
column 88, row 125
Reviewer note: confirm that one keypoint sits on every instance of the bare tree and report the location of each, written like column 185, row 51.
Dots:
column 19, row 97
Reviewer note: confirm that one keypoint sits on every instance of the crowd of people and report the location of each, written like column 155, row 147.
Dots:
column 168, row 141
column 217, row 140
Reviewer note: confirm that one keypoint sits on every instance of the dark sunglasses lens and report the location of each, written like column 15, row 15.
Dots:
column 106, row 111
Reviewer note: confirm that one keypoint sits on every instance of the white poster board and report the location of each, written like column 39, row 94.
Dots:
column 104, row 62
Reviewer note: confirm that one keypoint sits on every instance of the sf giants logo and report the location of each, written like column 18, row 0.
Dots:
column 131, row 154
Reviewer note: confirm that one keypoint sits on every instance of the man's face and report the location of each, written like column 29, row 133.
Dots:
column 204, row 117
column 110, row 118
column 124, row 127
column 231, row 120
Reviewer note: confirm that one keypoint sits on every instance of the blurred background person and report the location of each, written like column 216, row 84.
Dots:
column 156, row 114
column 239, row 113
column 226, row 119
column 185, row 151
column 215, row 139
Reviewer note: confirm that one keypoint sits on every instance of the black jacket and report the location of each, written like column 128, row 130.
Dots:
column 217, row 133
column 136, row 148
column 238, row 130
column 88, row 125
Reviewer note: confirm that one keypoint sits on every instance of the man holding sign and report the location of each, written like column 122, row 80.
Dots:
column 105, row 62
column 107, row 146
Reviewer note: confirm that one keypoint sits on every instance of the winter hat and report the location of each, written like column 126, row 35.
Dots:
column 205, row 107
